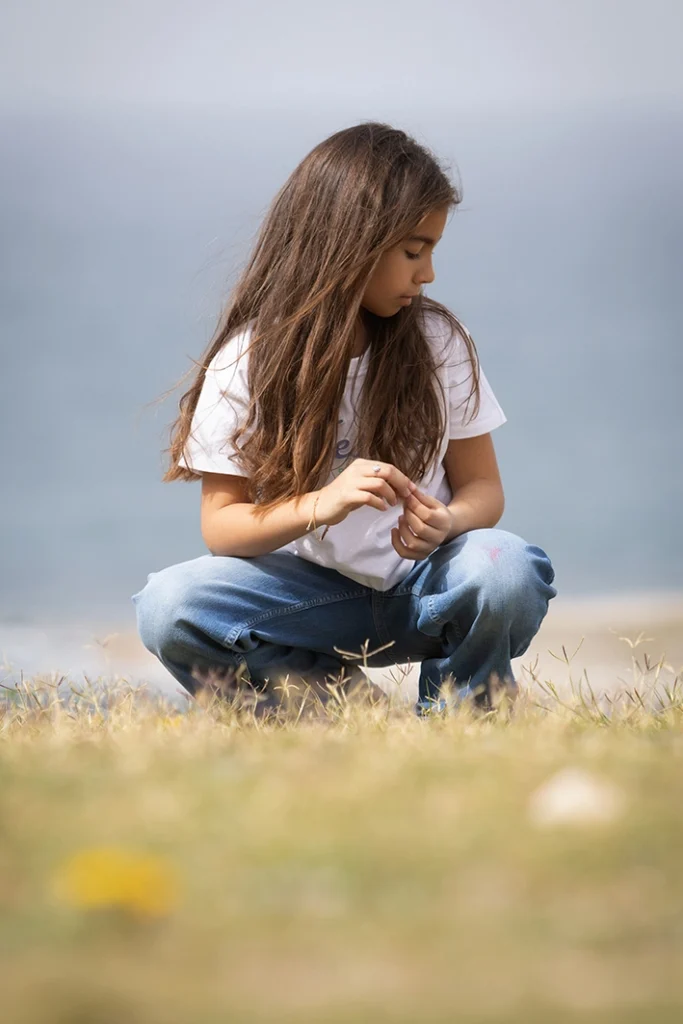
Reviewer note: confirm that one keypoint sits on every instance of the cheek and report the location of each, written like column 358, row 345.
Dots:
column 376, row 288
column 392, row 273
column 389, row 280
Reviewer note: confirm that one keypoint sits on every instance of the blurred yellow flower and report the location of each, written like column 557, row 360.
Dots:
column 111, row 876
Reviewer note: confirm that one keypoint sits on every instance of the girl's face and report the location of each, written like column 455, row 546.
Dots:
column 403, row 269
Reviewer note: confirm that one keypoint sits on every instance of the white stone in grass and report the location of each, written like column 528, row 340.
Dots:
column 575, row 797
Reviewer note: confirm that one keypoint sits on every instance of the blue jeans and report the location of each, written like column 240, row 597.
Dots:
column 463, row 612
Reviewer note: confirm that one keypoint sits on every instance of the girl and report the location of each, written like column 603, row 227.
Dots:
column 348, row 501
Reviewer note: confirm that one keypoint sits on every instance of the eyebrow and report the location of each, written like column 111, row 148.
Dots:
column 422, row 238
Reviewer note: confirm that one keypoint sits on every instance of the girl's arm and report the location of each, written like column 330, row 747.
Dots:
column 229, row 526
column 472, row 470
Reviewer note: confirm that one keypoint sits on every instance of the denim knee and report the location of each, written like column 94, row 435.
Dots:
column 515, row 580
column 157, row 610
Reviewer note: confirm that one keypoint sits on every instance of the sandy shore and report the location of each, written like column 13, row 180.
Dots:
column 595, row 633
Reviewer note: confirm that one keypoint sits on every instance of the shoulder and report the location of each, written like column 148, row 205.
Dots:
column 231, row 358
column 448, row 336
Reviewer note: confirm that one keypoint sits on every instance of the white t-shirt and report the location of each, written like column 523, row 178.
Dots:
column 359, row 547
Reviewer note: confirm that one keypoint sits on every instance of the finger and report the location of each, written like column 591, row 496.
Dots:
column 401, row 483
column 408, row 531
column 382, row 489
column 399, row 546
column 408, row 538
column 393, row 479
column 421, row 529
column 421, row 513
column 417, row 545
column 408, row 552
column 427, row 499
column 418, row 506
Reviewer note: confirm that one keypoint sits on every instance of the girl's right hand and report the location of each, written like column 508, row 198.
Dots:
column 357, row 485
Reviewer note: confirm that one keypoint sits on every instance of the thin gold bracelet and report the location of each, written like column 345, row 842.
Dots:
column 312, row 520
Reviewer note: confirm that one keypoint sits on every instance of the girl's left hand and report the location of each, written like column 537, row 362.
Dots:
column 430, row 522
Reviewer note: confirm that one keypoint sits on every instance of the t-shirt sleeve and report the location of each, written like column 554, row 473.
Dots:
column 222, row 406
column 460, row 378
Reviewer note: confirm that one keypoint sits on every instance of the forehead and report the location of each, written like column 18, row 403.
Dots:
column 430, row 228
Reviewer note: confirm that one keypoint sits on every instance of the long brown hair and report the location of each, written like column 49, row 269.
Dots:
column 355, row 195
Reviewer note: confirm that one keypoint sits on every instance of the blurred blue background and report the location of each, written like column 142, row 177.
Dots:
column 142, row 145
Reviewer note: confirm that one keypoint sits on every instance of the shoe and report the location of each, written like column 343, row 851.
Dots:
column 430, row 708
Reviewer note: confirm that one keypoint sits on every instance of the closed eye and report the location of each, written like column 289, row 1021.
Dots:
column 413, row 255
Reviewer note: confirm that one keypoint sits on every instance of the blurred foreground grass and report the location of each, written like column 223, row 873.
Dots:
column 363, row 865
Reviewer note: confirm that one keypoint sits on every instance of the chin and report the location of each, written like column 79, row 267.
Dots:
column 387, row 312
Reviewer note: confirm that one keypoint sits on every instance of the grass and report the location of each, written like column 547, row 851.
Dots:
column 360, row 865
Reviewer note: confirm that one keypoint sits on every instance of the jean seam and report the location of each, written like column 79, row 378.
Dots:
column 376, row 609
column 432, row 614
column 453, row 623
column 301, row 606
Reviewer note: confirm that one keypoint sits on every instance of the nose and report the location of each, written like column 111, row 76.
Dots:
column 426, row 274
